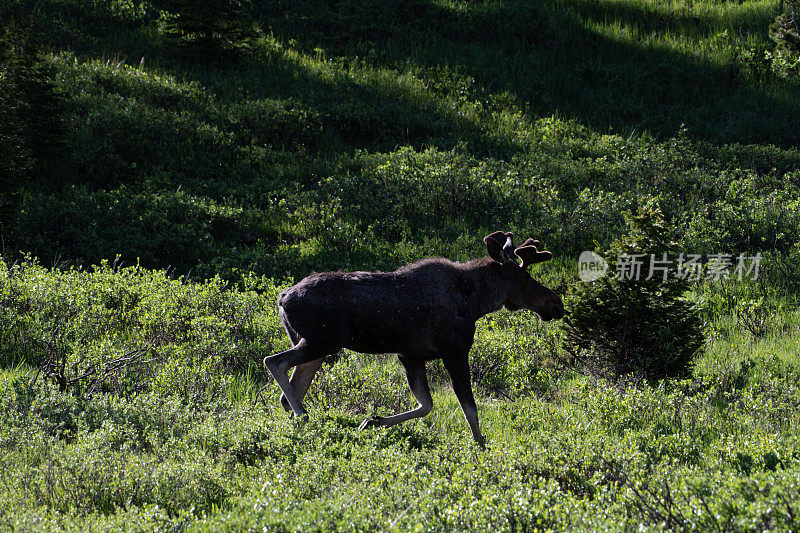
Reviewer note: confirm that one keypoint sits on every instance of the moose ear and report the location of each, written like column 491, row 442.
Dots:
column 500, row 247
column 494, row 245
column 530, row 254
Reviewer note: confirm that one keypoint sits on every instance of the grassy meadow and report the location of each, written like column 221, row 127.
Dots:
column 140, row 269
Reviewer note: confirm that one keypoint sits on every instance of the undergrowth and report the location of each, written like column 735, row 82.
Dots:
column 362, row 135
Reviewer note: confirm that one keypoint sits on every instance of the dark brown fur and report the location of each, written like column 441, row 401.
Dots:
column 422, row 311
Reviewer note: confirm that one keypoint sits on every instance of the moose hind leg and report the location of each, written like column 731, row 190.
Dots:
column 279, row 363
column 302, row 374
column 300, row 381
column 418, row 383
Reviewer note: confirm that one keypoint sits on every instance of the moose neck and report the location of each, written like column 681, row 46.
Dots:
column 490, row 287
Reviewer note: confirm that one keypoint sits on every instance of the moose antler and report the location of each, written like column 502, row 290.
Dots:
column 500, row 246
column 530, row 254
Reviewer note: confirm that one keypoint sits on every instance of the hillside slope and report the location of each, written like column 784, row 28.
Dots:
column 352, row 127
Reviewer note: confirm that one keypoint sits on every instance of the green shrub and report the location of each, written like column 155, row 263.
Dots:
column 619, row 325
column 785, row 32
column 128, row 329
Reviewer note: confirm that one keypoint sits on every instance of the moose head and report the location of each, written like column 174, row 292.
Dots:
column 524, row 292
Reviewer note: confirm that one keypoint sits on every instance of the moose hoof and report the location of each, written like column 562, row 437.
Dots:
column 298, row 419
column 371, row 423
column 285, row 404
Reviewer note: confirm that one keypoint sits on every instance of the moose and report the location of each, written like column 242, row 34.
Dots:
column 423, row 311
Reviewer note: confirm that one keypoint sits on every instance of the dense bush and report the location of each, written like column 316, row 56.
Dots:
column 127, row 329
column 629, row 320
column 785, row 32
column 394, row 147
column 181, row 438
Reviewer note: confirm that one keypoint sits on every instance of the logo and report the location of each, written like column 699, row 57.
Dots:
column 591, row 266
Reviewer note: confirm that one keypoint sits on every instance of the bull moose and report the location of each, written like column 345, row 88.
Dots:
column 422, row 311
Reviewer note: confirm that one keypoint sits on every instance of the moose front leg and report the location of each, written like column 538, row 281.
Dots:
column 418, row 383
column 458, row 368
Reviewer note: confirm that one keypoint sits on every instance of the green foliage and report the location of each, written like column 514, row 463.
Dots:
column 626, row 323
column 785, row 32
column 182, row 440
column 361, row 135
column 396, row 132
column 754, row 316
column 127, row 329
column 786, row 29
